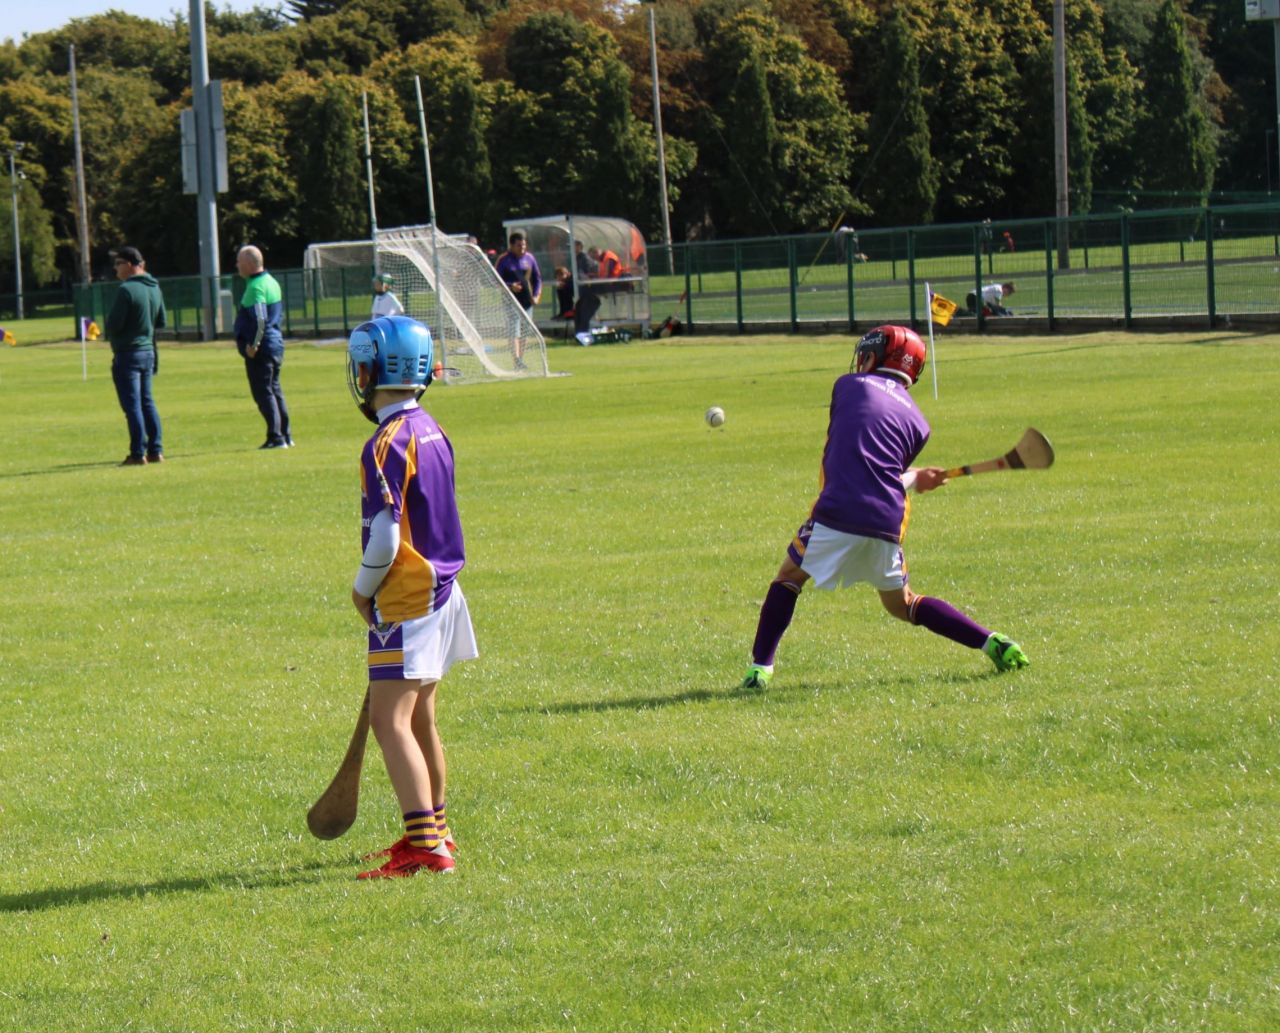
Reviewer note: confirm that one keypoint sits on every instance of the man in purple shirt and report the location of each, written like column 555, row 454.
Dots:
column 519, row 271
column 855, row 530
column 406, row 590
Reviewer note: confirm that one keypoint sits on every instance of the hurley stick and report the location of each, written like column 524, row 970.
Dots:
column 1032, row 452
column 335, row 811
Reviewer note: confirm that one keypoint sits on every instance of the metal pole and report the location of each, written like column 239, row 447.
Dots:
column 17, row 241
column 368, row 173
column 1060, row 130
column 207, row 198
column 82, row 205
column 431, row 217
column 662, row 154
column 1266, row 151
column 1275, row 27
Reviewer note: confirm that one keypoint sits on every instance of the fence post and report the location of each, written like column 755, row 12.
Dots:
column 977, row 284
column 848, row 263
column 911, row 273
column 791, row 277
column 1048, row 268
column 315, row 298
column 1124, row 267
column 1210, row 284
column 688, row 285
column 342, row 279
column 737, row 280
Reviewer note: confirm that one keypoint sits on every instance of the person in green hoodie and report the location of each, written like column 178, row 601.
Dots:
column 131, row 328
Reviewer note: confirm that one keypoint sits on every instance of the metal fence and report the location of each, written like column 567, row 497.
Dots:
column 1172, row 267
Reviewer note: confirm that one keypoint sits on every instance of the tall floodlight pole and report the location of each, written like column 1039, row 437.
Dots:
column 1060, row 131
column 17, row 240
column 657, row 128
column 206, row 194
column 431, row 218
column 82, row 205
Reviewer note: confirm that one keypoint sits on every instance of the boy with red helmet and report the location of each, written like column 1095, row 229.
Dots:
column 854, row 532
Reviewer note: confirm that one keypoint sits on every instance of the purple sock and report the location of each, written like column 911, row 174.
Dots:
column 943, row 619
column 775, row 616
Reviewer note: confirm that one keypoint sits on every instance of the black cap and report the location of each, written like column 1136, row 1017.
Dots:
column 130, row 254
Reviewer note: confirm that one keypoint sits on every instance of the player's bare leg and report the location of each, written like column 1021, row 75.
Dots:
column 427, row 734
column 391, row 708
column 775, row 617
column 943, row 619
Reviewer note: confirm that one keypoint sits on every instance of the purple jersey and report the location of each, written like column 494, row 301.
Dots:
column 875, row 432
column 408, row 465
column 524, row 271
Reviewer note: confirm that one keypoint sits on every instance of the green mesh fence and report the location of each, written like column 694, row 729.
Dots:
column 1207, row 263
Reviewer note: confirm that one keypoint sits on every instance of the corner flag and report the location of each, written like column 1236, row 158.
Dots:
column 941, row 309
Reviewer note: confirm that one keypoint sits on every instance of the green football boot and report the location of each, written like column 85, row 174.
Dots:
column 757, row 677
column 1005, row 653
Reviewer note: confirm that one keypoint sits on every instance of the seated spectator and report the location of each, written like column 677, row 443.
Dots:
column 564, row 293
column 608, row 265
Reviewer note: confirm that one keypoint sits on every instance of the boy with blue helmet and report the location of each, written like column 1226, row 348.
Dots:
column 406, row 589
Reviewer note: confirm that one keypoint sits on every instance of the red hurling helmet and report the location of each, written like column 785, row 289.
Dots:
column 896, row 349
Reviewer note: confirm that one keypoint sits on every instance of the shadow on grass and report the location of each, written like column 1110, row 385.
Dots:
column 63, row 468
column 784, row 693
column 40, row 900
column 600, row 706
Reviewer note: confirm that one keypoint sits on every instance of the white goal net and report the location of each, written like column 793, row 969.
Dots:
column 480, row 331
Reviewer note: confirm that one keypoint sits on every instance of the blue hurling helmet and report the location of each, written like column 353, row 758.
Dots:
column 392, row 352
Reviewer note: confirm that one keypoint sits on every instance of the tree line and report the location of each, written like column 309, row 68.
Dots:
column 779, row 116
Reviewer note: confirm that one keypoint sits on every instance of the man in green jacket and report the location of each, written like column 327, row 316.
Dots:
column 131, row 328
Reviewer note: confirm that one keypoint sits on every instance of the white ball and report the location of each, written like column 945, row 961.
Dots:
column 715, row 416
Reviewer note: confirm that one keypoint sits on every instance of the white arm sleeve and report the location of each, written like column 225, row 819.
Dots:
column 908, row 480
column 379, row 554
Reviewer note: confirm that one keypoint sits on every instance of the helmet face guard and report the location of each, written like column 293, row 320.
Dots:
column 388, row 352
column 895, row 349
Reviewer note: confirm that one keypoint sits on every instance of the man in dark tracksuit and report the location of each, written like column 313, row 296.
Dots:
column 131, row 328
column 259, row 340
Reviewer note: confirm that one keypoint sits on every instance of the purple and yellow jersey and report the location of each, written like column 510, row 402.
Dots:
column 408, row 465
column 875, row 432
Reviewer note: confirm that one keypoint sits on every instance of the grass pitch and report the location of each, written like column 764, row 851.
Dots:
column 891, row 838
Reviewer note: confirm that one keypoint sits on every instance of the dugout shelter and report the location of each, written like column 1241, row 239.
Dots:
column 624, row 299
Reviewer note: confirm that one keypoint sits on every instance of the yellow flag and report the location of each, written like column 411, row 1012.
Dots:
column 93, row 333
column 8, row 338
column 942, row 309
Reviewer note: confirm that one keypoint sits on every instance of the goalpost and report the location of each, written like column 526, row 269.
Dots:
column 480, row 330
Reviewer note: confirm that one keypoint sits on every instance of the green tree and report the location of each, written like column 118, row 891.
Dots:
column 1179, row 147
column 309, row 10
column 1032, row 150
column 325, row 147
column 261, row 205
column 776, row 141
column 35, row 234
column 565, row 127
column 902, row 177
column 457, row 112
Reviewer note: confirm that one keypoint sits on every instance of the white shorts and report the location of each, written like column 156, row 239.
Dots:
column 837, row 560
column 423, row 648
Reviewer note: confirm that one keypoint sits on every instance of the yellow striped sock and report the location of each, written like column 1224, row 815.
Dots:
column 420, row 827
column 442, row 824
